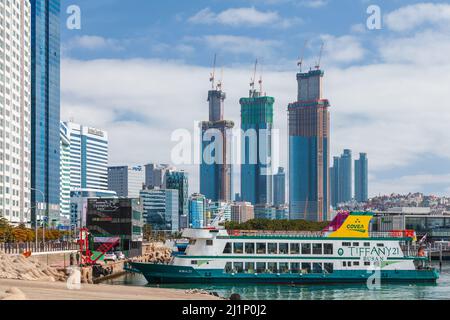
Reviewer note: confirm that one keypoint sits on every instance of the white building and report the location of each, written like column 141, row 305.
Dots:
column 88, row 157
column 15, row 110
column 64, row 173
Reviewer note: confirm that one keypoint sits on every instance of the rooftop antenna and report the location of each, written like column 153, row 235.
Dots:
column 253, row 80
column 300, row 62
column 320, row 56
column 213, row 74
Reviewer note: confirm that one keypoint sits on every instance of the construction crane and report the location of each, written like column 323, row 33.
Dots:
column 220, row 83
column 253, row 80
column 300, row 60
column 213, row 74
column 320, row 56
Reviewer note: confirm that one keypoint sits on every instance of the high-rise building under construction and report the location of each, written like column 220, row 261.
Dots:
column 309, row 145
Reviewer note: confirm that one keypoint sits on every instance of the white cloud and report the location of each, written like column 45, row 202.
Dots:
column 313, row 3
column 246, row 17
column 241, row 45
column 342, row 49
column 413, row 16
column 92, row 43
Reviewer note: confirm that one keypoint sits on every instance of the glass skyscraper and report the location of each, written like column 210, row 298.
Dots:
column 341, row 179
column 256, row 167
column 197, row 209
column 309, row 145
column 45, row 106
column 361, row 178
column 279, row 187
column 178, row 180
column 161, row 208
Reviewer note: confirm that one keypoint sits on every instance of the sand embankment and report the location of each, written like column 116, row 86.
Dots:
column 36, row 290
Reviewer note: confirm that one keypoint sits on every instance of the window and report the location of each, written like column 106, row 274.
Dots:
column 238, row 267
column 328, row 248
column 346, row 244
column 228, row 267
column 238, row 248
column 367, row 263
column 317, row 248
column 272, row 248
column 261, row 248
column 209, row 242
column 356, row 244
column 344, row 263
column 295, row 267
column 366, row 244
column 295, row 248
column 284, row 267
column 380, row 244
column 356, row 263
column 250, row 267
column 272, row 267
column 250, row 248
column 306, row 248
column 317, row 267
column 328, row 267
column 306, row 267
column 283, row 248
column 227, row 248
column 193, row 262
column 260, row 267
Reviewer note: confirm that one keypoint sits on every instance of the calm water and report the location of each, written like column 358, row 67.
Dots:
column 441, row 290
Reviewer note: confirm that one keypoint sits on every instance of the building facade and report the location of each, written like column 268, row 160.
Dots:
column 279, row 187
column 216, row 137
column 65, row 173
column 45, row 107
column 265, row 211
column 161, row 208
column 256, row 162
column 179, row 180
column 15, row 108
column 362, row 178
column 88, row 157
column 126, row 181
column 242, row 212
column 154, row 174
column 341, row 178
column 334, row 182
column 309, row 149
column 197, row 209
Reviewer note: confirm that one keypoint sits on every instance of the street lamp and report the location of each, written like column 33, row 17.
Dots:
column 35, row 214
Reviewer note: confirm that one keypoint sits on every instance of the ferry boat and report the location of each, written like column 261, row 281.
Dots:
column 343, row 253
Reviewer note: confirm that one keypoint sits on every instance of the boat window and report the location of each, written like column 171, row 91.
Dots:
column 238, row 267
column 344, row 263
column 306, row 267
column 209, row 242
column 238, row 248
column 272, row 267
column 366, row 244
column 295, row 248
column 284, row 267
column 306, row 248
column 272, row 248
column 346, row 244
column 356, row 244
column 349, row 263
column 317, row 267
column 328, row 267
column 250, row 267
column 193, row 262
column 260, row 267
column 295, row 267
column 380, row 244
column 228, row 267
column 317, row 248
column 283, row 248
column 367, row 263
column 328, row 248
column 261, row 248
column 227, row 248
column 250, row 248
column 356, row 263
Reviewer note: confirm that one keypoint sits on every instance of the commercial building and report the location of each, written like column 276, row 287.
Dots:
column 154, row 174
column 88, row 157
column 362, row 178
column 126, row 181
column 65, row 173
column 242, row 212
column 265, row 211
column 256, row 163
column 160, row 208
column 179, row 180
column 282, row 212
column 341, row 178
column 197, row 209
column 45, row 96
column 216, row 136
column 15, row 108
column 117, row 218
column 279, row 187
column 309, row 149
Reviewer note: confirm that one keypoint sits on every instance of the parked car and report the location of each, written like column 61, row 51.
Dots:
column 120, row 255
column 110, row 256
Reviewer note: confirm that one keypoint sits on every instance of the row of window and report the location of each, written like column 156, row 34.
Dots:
column 356, row 244
column 278, row 248
column 278, row 267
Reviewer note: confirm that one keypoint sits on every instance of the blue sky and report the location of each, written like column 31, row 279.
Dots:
column 140, row 69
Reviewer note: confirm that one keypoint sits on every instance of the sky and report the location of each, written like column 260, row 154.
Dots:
column 140, row 70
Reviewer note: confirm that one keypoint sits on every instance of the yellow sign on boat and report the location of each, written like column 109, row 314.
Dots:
column 355, row 226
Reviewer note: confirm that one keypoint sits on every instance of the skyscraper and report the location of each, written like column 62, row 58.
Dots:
column 88, row 157
column 178, row 180
column 15, row 99
column 154, row 174
column 279, row 187
column 256, row 168
column 361, row 178
column 334, row 181
column 126, row 181
column 309, row 137
column 242, row 212
column 160, row 208
column 341, row 178
column 197, row 210
column 215, row 168
column 45, row 106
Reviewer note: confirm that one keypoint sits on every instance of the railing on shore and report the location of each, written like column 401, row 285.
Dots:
column 41, row 247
